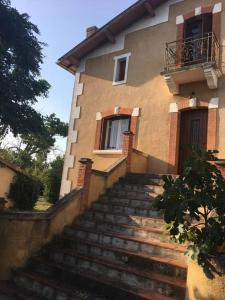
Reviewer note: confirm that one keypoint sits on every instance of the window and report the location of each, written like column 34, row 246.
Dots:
column 198, row 39
column 121, row 69
column 112, row 132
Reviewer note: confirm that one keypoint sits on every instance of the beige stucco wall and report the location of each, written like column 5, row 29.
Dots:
column 99, row 183
column 21, row 237
column 6, row 177
column 145, row 88
column 199, row 287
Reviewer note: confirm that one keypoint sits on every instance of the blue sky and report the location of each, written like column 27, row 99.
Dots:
column 62, row 24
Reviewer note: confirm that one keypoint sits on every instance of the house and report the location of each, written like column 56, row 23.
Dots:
column 7, row 172
column 147, row 83
column 156, row 69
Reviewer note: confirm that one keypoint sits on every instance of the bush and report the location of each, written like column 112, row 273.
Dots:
column 52, row 180
column 24, row 191
column 194, row 209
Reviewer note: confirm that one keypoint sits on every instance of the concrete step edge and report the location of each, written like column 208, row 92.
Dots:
column 153, row 242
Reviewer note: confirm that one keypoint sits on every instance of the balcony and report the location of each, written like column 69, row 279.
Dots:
column 192, row 60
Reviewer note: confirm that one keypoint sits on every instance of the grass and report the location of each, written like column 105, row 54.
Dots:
column 42, row 204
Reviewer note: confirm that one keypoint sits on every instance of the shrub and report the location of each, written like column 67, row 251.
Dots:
column 194, row 209
column 52, row 180
column 24, row 191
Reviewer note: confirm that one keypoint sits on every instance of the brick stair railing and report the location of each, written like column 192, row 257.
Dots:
column 116, row 250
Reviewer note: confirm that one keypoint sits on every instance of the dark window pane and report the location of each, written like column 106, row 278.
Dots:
column 122, row 68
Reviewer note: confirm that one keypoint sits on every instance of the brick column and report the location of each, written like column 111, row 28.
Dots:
column 127, row 147
column 83, row 180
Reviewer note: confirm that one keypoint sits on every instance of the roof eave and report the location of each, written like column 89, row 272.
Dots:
column 70, row 61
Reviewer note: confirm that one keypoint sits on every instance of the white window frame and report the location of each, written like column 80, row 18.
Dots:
column 116, row 68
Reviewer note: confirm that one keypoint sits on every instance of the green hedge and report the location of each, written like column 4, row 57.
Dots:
column 24, row 191
column 52, row 180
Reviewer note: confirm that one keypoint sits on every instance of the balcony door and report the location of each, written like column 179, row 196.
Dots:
column 193, row 132
column 197, row 39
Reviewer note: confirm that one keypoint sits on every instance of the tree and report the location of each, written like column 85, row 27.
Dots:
column 31, row 150
column 20, row 83
column 194, row 208
column 42, row 143
column 53, row 180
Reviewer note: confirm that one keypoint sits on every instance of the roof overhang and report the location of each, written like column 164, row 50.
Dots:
column 11, row 167
column 70, row 61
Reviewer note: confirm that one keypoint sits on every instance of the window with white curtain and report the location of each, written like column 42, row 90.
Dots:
column 113, row 132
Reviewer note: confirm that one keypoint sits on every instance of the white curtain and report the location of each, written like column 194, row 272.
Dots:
column 114, row 133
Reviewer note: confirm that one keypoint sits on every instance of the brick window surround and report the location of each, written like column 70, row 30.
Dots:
column 134, row 114
column 216, row 20
column 174, row 137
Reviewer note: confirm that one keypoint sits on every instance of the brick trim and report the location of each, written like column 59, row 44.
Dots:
column 117, row 111
column 127, row 147
column 212, row 129
column 174, row 136
column 83, row 180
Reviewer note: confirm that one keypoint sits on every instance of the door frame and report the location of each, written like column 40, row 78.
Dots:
column 174, row 135
column 186, row 117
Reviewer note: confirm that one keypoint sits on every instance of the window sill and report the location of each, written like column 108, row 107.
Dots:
column 108, row 152
column 119, row 82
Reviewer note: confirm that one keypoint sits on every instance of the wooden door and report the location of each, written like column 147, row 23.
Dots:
column 193, row 132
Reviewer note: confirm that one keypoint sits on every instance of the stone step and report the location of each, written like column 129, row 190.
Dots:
column 89, row 278
column 124, row 192
column 126, row 210
column 143, row 280
column 129, row 230
column 45, row 288
column 142, row 203
column 142, row 179
column 136, row 244
column 122, row 184
column 138, row 188
column 153, row 220
column 9, row 291
column 141, row 261
column 133, row 278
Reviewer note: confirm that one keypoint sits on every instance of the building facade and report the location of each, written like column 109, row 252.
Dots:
column 156, row 70
column 7, row 173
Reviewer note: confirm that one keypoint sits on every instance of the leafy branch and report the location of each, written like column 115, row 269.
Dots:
column 194, row 209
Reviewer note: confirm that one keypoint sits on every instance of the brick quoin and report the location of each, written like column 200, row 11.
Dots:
column 83, row 180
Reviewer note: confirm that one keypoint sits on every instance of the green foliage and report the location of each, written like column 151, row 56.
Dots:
column 24, row 191
column 40, row 144
column 53, row 180
column 19, row 158
column 194, row 209
column 20, row 83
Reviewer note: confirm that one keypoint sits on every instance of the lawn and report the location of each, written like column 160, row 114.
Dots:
column 42, row 204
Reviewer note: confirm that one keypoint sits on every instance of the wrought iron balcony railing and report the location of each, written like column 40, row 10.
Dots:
column 192, row 51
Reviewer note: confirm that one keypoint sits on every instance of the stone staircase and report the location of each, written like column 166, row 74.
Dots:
column 115, row 250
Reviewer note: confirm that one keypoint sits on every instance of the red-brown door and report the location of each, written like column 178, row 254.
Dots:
column 193, row 132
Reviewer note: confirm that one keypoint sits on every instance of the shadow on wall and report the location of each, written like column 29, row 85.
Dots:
column 157, row 166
